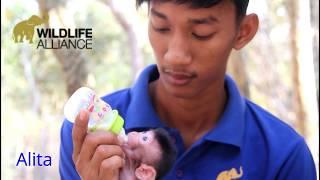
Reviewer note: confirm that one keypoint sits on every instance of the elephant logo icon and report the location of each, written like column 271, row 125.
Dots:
column 25, row 29
column 230, row 174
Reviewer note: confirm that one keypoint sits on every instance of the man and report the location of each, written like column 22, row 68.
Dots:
column 149, row 155
column 218, row 133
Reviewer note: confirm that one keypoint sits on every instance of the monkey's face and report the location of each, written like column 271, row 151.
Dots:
column 142, row 147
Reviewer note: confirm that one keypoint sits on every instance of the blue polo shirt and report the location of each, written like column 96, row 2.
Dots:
column 247, row 143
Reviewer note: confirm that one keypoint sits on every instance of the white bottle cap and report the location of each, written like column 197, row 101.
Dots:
column 79, row 100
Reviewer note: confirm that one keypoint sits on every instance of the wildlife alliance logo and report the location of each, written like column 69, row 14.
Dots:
column 52, row 38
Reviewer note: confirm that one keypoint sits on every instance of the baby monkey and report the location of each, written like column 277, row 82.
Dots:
column 149, row 155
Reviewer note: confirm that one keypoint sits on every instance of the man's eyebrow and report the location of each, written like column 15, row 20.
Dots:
column 207, row 20
column 158, row 14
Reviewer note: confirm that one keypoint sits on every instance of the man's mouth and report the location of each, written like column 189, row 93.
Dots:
column 178, row 78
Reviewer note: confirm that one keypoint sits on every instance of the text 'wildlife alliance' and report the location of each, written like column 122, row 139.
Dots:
column 79, row 38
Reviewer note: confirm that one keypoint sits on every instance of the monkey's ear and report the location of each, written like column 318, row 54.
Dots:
column 145, row 172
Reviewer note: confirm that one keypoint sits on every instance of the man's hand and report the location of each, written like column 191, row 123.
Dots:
column 96, row 155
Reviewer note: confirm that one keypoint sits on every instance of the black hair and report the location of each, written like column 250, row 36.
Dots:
column 241, row 5
column 168, row 152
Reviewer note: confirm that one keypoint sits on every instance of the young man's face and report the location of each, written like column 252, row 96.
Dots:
column 191, row 45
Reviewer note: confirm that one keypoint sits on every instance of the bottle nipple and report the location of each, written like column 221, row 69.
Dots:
column 123, row 136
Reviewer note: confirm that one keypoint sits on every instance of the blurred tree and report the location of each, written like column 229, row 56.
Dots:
column 135, row 53
column 266, row 59
column 238, row 69
column 314, row 10
column 73, row 61
column 293, row 10
column 28, row 72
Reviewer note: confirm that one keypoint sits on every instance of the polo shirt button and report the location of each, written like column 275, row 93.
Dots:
column 179, row 173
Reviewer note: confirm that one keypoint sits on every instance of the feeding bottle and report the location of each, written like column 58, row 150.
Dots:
column 101, row 115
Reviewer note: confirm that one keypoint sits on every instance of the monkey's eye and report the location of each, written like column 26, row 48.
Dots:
column 144, row 138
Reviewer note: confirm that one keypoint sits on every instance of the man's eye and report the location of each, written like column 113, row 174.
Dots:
column 144, row 138
column 161, row 30
column 206, row 37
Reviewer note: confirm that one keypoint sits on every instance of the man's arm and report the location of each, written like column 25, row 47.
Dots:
column 299, row 165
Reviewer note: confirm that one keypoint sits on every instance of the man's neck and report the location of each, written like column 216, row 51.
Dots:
column 193, row 117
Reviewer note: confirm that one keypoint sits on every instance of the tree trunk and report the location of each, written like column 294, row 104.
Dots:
column 135, row 54
column 35, row 99
column 292, row 8
column 74, row 68
column 73, row 61
column 35, row 93
column 237, row 68
column 314, row 7
column 305, row 73
column 266, row 88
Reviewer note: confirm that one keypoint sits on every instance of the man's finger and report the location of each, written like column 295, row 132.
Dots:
column 110, row 167
column 92, row 141
column 79, row 132
column 104, row 152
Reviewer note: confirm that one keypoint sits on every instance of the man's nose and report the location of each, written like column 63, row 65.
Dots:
column 178, row 52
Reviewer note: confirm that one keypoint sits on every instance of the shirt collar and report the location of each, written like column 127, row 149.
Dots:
column 141, row 113
column 230, row 127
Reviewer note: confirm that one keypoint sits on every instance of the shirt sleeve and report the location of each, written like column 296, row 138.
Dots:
column 299, row 165
column 66, row 166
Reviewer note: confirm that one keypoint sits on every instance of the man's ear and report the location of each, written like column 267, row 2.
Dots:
column 145, row 172
column 247, row 30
